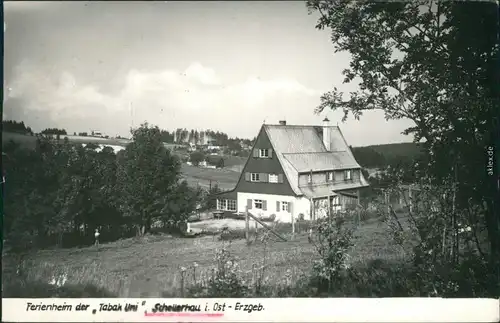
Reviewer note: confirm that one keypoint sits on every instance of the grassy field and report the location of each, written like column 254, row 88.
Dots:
column 229, row 161
column 226, row 179
column 150, row 266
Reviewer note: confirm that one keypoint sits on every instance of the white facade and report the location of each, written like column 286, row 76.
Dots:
column 298, row 205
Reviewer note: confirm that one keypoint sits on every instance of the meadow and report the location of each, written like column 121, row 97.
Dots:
column 226, row 179
column 165, row 265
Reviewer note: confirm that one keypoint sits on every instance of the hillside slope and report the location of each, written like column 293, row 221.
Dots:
column 378, row 156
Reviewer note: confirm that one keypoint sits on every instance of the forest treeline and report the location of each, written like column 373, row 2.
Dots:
column 381, row 156
column 16, row 127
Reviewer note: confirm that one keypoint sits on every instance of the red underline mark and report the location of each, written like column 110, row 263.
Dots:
column 185, row 314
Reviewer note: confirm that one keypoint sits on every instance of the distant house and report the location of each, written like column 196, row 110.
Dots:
column 214, row 147
column 296, row 171
column 244, row 146
column 96, row 133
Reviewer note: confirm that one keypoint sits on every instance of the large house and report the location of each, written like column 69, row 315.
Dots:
column 296, row 171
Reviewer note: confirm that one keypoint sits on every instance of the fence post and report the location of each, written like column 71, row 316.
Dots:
column 247, row 226
column 329, row 207
column 293, row 226
column 359, row 206
column 410, row 198
column 387, row 200
column 254, row 278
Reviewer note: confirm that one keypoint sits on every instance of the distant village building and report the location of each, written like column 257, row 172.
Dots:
column 296, row 171
column 214, row 147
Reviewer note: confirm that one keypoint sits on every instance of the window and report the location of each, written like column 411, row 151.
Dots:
column 330, row 176
column 348, row 175
column 284, row 206
column 336, row 204
column 309, row 178
column 231, row 205
column 258, row 204
column 226, row 205
column 254, row 177
column 273, row 178
column 263, row 153
column 222, row 204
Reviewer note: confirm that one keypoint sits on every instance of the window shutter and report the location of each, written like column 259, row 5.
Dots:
column 255, row 153
column 270, row 153
column 247, row 177
column 277, row 206
column 280, row 178
column 249, row 203
column 327, row 176
column 290, row 207
column 263, row 177
column 264, row 205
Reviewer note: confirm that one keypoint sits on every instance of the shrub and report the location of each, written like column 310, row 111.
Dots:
column 447, row 260
column 333, row 241
column 226, row 280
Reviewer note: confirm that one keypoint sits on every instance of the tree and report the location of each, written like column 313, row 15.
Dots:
column 433, row 62
column 17, row 127
column 210, row 199
column 182, row 203
column 147, row 177
column 53, row 131
column 191, row 136
column 220, row 163
column 197, row 157
column 196, row 137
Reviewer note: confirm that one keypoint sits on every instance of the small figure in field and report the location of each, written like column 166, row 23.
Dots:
column 309, row 237
column 96, row 235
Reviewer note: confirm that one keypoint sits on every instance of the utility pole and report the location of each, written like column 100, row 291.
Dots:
column 132, row 114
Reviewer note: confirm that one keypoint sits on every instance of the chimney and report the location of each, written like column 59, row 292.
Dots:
column 282, row 122
column 326, row 133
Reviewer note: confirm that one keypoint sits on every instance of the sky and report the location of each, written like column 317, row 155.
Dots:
column 226, row 66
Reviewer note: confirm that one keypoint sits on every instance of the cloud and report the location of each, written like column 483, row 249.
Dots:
column 202, row 74
column 195, row 97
